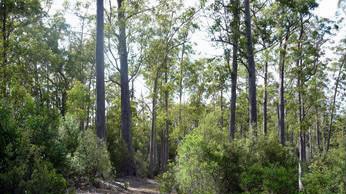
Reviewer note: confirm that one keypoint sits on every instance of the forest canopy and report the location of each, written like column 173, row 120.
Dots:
column 203, row 96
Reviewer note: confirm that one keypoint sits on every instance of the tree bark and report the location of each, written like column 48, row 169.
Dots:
column 4, row 49
column 166, row 128
column 221, row 108
column 234, row 76
column 282, row 90
column 318, row 130
column 100, row 87
column 265, row 99
column 251, row 70
column 181, row 84
column 152, row 143
column 125, row 91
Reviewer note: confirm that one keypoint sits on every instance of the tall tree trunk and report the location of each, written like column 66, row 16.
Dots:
column 265, row 99
column 89, row 107
column 282, row 90
column 332, row 111
column 251, row 70
column 166, row 128
column 4, row 50
column 125, row 91
column 318, row 130
column 235, row 40
column 221, row 108
column 181, row 84
column 100, row 84
column 152, row 143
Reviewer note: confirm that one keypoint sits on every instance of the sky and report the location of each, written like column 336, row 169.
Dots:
column 327, row 9
column 202, row 44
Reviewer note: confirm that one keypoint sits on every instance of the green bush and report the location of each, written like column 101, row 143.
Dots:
column 204, row 164
column 208, row 163
column 272, row 169
column 45, row 180
column 91, row 158
column 69, row 133
column 194, row 169
column 30, row 148
column 327, row 174
column 167, row 180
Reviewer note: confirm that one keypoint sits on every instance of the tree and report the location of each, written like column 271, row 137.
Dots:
column 333, row 103
column 251, row 69
column 100, row 86
column 235, row 39
column 124, row 85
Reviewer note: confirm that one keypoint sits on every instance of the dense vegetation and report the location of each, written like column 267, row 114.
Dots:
column 130, row 90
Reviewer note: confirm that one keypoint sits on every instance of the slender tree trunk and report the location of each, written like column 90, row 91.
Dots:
column 63, row 101
column 100, row 87
column 132, row 89
column 282, row 90
column 235, row 40
column 152, row 143
column 166, row 129
column 278, row 117
column 125, row 91
column 251, row 70
column 330, row 125
column 181, row 84
column 4, row 50
column 166, row 135
column 265, row 99
column 221, row 108
column 318, row 130
column 89, row 104
column 82, row 79
column 292, row 137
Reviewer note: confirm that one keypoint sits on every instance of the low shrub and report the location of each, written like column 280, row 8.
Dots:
column 91, row 158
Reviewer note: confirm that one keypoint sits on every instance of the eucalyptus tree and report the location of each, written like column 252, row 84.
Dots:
column 264, row 25
column 251, row 66
column 226, row 31
column 126, row 34
column 339, row 71
column 100, row 84
column 172, row 23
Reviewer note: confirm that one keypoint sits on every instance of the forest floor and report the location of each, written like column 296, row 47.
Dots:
column 136, row 185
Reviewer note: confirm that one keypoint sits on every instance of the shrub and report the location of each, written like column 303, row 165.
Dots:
column 272, row 169
column 327, row 174
column 167, row 180
column 30, row 149
column 201, row 164
column 69, row 133
column 91, row 158
column 194, row 169
column 45, row 180
column 208, row 163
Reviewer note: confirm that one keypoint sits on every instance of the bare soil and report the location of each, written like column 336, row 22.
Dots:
column 135, row 185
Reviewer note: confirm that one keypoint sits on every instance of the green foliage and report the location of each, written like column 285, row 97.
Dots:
column 30, row 149
column 196, row 164
column 91, row 158
column 327, row 174
column 208, row 163
column 78, row 100
column 167, row 180
column 45, row 180
column 47, row 83
column 69, row 133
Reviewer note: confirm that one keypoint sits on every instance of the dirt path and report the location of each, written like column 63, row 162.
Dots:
column 135, row 186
